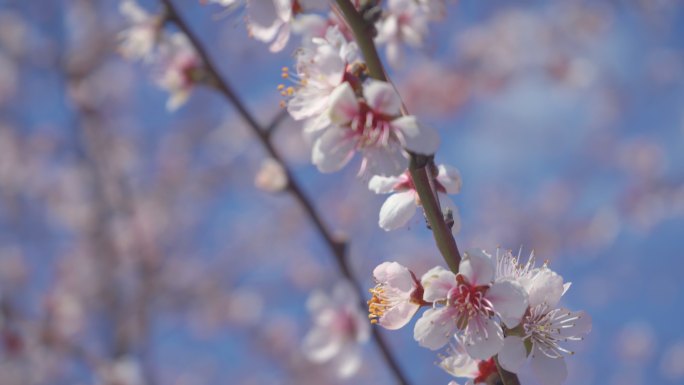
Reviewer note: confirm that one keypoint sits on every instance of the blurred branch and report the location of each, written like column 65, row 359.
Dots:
column 337, row 246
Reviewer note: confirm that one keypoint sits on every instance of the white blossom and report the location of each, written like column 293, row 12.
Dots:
column 397, row 296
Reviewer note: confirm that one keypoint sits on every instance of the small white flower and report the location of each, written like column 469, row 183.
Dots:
column 137, row 42
column 470, row 300
column 179, row 66
column 373, row 126
column 269, row 21
column 339, row 328
column 400, row 207
column 404, row 22
column 546, row 328
column 396, row 297
column 271, row 176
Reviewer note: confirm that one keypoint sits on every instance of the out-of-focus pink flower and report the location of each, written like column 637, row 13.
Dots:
column 339, row 328
column 271, row 176
column 470, row 300
column 180, row 69
column 373, row 126
column 403, row 23
column 400, row 207
column 138, row 40
column 397, row 296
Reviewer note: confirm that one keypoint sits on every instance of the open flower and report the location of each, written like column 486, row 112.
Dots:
column 397, row 296
column 469, row 302
column 339, row 328
column 138, row 40
column 373, row 126
column 459, row 364
column 400, row 207
column 545, row 328
column 179, row 68
column 404, row 22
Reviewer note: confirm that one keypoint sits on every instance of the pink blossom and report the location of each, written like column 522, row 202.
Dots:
column 403, row 23
column 373, row 126
column 397, row 296
column 469, row 301
column 400, row 207
column 179, row 68
column 459, row 364
column 339, row 328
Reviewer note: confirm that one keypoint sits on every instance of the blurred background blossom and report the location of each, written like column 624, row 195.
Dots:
column 144, row 247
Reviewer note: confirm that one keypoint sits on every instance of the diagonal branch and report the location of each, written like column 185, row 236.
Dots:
column 337, row 247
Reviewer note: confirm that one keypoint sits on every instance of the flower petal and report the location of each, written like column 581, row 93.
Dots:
column 545, row 287
column 382, row 97
column 415, row 136
column 398, row 316
column 348, row 362
column 343, row 104
column 333, row 150
column 262, row 20
column 509, row 300
column 484, row 339
column 436, row 284
column 395, row 276
column 450, row 178
column 549, row 371
column 478, row 267
column 580, row 326
column 397, row 210
column 384, row 184
column 513, row 354
column 320, row 345
column 434, row 329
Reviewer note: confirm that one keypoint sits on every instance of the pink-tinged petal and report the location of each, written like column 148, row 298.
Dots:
column 545, row 287
column 283, row 9
column 415, row 136
column 320, row 345
column 399, row 315
column 344, row 106
column 459, row 364
column 437, row 283
column 453, row 383
column 549, row 371
column 262, row 19
column 509, row 300
column 281, row 39
column 332, row 151
column 477, row 267
column 450, row 178
column 348, row 362
column 384, row 184
column 483, row 339
column 566, row 287
column 394, row 275
column 314, row 126
column 434, row 329
column 579, row 324
column 382, row 97
column 384, row 160
column 317, row 301
column 513, row 354
column 397, row 210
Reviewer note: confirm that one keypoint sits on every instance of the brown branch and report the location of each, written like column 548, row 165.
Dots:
column 337, row 247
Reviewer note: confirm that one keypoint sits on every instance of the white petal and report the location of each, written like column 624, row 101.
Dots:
column 320, row 345
column 549, row 371
column 436, row 284
column 281, row 39
column 434, row 329
column 333, row 150
column 348, row 362
column 478, row 267
column 384, row 160
column 384, row 184
column 450, row 178
column 343, row 104
column 399, row 315
column 262, row 19
column 415, row 136
column 513, row 354
column 545, row 287
column 397, row 210
column 484, row 340
column 509, row 300
column 395, row 276
column 382, row 97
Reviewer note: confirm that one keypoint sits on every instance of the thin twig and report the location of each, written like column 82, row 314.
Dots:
column 338, row 247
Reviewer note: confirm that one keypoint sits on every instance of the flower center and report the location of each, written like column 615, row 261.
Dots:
column 543, row 328
column 379, row 303
column 486, row 369
column 469, row 301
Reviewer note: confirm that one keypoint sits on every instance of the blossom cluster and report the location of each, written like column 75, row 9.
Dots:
column 494, row 305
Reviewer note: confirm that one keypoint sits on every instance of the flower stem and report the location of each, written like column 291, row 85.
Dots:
column 337, row 247
column 419, row 166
